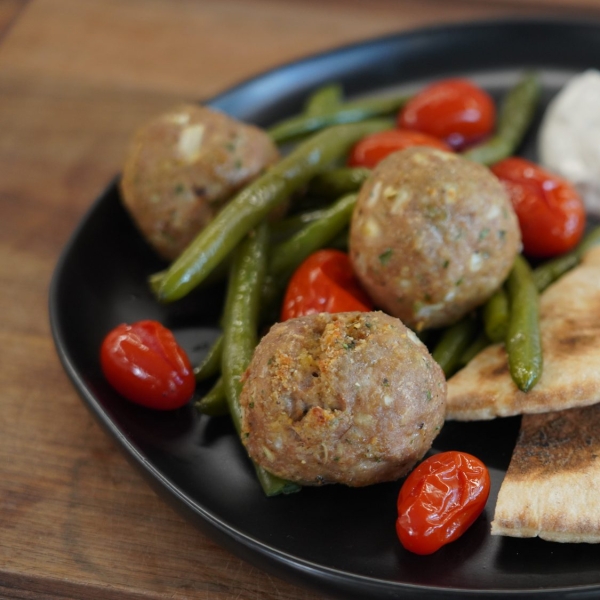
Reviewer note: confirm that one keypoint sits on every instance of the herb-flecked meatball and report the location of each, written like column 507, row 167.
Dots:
column 352, row 398
column 183, row 166
column 433, row 235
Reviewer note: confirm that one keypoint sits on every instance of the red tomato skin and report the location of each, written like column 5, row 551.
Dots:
column 324, row 282
column 454, row 110
column 440, row 500
column 551, row 213
column 146, row 365
column 371, row 150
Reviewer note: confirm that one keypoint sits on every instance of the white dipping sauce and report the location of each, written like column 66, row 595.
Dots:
column 569, row 139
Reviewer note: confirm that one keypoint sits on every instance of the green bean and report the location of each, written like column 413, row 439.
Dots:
column 454, row 341
column 495, row 316
column 291, row 225
column 211, row 363
column 214, row 402
column 348, row 112
column 337, row 182
column 552, row 270
column 255, row 202
column 515, row 116
column 324, row 99
column 340, row 241
column 331, row 230
column 590, row 240
column 217, row 275
column 287, row 255
column 240, row 324
column 523, row 341
column 475, row 347
column 549, row 272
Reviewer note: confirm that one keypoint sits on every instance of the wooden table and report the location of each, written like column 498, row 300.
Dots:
column 76, row 77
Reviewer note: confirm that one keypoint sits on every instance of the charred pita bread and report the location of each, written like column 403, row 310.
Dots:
column 552, row 486
column 570, row 331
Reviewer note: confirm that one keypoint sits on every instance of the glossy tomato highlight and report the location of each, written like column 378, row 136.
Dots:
column 440, row 500
column 550, row 211
column 454, row 110
column 371, row 150
column 324, row 282
column 146, row 365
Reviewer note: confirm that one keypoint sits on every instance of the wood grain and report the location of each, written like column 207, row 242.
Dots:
column 76, row 78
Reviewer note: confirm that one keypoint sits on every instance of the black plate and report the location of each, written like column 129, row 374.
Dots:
column 338, row 540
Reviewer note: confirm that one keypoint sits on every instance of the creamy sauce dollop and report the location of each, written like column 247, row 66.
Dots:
column 569, row 140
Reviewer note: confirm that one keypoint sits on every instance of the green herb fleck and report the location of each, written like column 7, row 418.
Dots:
column 251, row 404
column 386, row 381
column 459, row 281
column 350, row 345
column 429, row 395
column 446, row 264
column 179, row 188
column 384, row 257
column 484, row 233
column 502, row 234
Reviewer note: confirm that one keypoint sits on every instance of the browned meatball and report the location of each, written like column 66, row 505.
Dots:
column 432, row 236
column 352, row 398
column 183, row 166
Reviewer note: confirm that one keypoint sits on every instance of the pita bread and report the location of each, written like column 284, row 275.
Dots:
column 552, row 486
column 570, row 330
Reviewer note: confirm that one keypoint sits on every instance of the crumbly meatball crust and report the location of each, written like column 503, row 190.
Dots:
column 432, row 236
column 183, row 166
column 352, row 398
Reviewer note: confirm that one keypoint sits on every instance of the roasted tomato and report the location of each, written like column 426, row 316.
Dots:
column 374, row 148
column 440, row 500
column 454, row 110
column 146, row 365
column 324, row 282
column 550, row 211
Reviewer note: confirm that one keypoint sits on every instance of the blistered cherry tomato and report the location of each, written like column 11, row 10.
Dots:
column 324, row 282
column 374, row 148
column 550, row 211
column 146, row 365
column 454, row 110
column 440, row 500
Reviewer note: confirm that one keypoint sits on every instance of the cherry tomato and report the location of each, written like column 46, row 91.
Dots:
column 550, row 211
column 146, row 365
column 374, row 148
column 324, row 282
column 454, row 110
column 440, row 500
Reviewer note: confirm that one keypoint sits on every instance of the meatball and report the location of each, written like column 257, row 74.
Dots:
column 432, row 236
column 352, row 398
column 183, row 166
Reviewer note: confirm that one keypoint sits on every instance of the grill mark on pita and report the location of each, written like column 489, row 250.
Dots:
column 577, row 343
column 499, row 371
column 556, row 442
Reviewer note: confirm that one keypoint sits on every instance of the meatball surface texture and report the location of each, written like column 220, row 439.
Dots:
column 352, row 398
column 432, row 236
column 183, row 166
